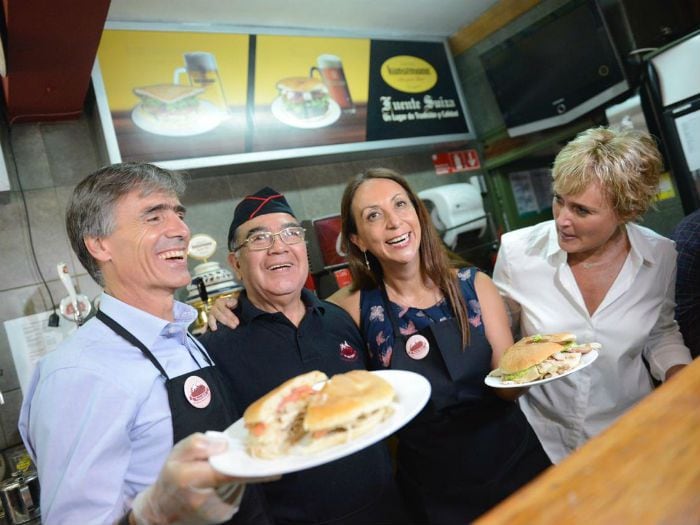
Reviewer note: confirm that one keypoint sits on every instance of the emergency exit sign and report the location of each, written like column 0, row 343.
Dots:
column 456, row 161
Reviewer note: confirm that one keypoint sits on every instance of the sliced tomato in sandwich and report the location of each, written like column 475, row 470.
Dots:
column 296, row 394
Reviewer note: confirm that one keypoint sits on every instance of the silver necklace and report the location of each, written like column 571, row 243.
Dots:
column 589, row 265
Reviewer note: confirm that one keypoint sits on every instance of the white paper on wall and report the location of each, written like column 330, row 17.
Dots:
column 688, row 127
column 31, row 338
column 4, row 178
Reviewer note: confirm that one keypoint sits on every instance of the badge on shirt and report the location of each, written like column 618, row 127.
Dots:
column 197, row 392
column 417, row 347
column 347, row 352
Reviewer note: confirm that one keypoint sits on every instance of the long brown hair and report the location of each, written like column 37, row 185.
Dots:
column 434, row 262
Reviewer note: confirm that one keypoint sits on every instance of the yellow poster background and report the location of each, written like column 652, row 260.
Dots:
column 279, row 57
column 130, row 59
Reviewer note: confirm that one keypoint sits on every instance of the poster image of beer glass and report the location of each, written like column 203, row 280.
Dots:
column 202, row 72
column 330, row 67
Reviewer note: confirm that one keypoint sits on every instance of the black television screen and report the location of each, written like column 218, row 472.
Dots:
column 555, row 70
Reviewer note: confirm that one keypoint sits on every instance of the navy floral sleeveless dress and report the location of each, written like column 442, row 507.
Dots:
column 468, row 449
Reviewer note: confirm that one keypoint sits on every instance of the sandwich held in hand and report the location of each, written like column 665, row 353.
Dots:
column 541, row 357
column 309, row 413
column 348, row 406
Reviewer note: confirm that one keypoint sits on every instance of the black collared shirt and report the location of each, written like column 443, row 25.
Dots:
column 267, row 349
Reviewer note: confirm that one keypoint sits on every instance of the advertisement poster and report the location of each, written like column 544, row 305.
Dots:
column 174, row 95
column 310, row 91
column 412, row 92
column 190, row 99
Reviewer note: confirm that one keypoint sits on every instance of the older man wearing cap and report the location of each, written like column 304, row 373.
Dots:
column 285, row 330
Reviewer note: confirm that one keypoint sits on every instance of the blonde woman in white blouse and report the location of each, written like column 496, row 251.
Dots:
column 594, row 272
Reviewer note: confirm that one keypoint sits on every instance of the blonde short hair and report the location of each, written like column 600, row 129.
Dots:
column 626, row 163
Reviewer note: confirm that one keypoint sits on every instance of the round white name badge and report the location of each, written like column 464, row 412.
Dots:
column 197, row 392
column 417, row 347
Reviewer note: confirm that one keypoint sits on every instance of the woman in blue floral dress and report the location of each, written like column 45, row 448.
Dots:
column 468, row 449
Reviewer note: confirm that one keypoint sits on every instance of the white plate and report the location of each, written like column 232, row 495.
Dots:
column 328, row 118
column 412, row 393
column 208, row 117
column 586, row 359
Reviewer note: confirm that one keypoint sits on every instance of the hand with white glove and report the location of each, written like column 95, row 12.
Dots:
column 188, row 490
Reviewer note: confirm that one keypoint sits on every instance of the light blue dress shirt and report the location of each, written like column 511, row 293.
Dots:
column 96, row 418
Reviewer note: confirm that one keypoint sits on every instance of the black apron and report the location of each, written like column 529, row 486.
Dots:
column 188, row 418
column 467, row 449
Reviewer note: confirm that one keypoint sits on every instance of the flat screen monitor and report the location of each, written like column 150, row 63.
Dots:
column 556, row 70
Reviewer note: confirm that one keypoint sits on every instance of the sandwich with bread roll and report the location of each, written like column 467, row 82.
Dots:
column 275, row 421
column 310, row 412
column 348, row 406
column 541, row 356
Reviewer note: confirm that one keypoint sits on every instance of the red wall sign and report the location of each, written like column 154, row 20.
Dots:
column 455, row 161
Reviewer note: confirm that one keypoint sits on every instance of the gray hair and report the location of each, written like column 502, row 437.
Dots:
column 90, row 211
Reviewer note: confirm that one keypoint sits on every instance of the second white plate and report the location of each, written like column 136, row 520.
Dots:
column 412, row 393
column 284, row 116
column 586, row 359
column 207, row 117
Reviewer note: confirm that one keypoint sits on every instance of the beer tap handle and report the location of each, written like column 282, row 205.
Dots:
column 202, row 290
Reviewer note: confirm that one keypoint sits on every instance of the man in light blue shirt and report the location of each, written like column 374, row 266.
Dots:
column 103, row 410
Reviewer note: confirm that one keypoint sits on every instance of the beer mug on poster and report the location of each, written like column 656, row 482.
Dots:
column 330, row 68
column 202, row 72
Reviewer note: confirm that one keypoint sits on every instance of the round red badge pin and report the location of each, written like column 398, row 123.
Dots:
column 347, row 352
column 197, row 392
column 417, row 347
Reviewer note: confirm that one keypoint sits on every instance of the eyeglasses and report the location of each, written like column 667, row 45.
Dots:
column 264, row 240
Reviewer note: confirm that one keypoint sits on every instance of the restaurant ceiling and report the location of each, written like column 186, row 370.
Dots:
column 410, row 18
column 49, row 55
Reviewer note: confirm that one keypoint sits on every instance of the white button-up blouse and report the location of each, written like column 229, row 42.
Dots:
column 635, row 322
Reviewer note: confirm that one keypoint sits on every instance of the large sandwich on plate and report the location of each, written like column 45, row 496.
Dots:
column 541, row 357
column 309, row 413
column 275, row 422
column 348, row 406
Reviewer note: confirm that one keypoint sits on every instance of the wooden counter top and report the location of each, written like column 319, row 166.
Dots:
column 643, row 469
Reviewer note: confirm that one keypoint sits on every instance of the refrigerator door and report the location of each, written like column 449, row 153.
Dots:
column 673, row 86
column 677, row 67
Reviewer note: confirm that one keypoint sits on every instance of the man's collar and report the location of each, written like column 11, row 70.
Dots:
column 144, row 326
column 311, row 301
column 247, row 311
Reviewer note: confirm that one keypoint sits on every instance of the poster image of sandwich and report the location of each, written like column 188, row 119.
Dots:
column 309, row 91
column 175, row 94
